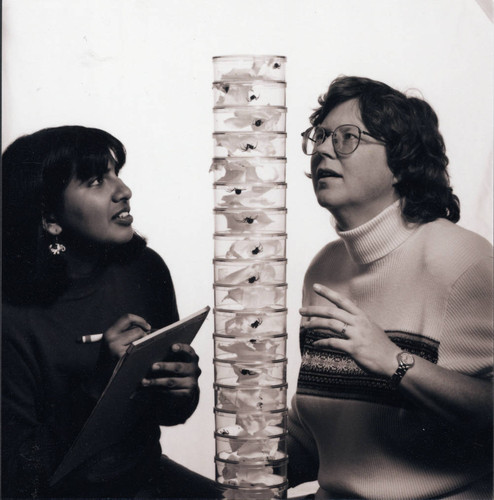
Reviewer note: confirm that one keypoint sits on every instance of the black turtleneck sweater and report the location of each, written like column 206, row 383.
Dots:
column 44, row 370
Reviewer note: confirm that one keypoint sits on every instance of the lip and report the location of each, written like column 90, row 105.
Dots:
column 126, row 220
column 327, row 173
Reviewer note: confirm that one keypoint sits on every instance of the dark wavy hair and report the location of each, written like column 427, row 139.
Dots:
column 415, row 148
column 36, row 170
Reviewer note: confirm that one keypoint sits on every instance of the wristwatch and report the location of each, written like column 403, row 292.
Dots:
column 405, row 362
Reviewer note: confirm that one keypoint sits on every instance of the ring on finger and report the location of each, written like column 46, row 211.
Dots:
column 343, row 330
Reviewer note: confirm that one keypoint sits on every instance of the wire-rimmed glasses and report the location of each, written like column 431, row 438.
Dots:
column 346, row 138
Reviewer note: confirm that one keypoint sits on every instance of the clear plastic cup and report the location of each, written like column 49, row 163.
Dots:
column 249, row 119
column 249, row 144
column 230, row 492
column 250, row 450
column 242, row 195
column 251, row 323
column 250, row 220
column 249, row 93
column 248, row 373
column 252, row 246
column 249, row 67
column 247, row 272
column 250, row 423
column 258, row 169
column 251, row 297
column 235, row 398
column 260, row 348
column 251, row 475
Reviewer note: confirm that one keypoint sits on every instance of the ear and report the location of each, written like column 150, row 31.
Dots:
column 51, row 226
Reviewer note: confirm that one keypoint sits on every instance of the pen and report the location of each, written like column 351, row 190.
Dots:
column 95, row 337
column 89, row 339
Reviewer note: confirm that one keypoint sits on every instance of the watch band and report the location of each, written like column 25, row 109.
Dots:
column 405, row 362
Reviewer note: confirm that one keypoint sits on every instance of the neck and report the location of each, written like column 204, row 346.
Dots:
column 350, row 217
column 82, row 258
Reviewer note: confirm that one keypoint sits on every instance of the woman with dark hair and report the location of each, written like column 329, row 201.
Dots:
column 394, row 391
column 73, row 266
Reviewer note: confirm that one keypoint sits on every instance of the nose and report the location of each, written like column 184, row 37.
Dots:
column 122, row 191
column 326, row 148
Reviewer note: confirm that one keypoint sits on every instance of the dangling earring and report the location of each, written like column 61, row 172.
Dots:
column 56, row 248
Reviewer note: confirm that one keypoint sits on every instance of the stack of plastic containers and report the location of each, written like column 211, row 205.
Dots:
column 250, row 275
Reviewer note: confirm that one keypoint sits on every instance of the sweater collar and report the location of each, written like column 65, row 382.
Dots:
column 379, row 236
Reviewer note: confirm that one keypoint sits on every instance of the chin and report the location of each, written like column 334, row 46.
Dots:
column 120, row 239
column 324, row 199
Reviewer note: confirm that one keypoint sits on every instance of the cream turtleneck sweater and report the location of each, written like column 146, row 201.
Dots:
column 429, row 286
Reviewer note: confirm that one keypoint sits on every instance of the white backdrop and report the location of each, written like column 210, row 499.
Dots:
column 142, row 70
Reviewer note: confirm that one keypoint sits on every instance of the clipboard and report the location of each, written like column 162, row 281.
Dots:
column 115, row 412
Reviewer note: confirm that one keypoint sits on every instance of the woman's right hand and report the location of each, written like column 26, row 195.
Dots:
column 125, row 330
column 114, row 344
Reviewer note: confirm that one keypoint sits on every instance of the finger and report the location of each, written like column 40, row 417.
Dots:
column 129, row 336
column 128, row 321
column 171, row 383
column 336, row 298
column 314, row 312
column 332, row 343
column 333, row 325
column 168, row 368
column 184, row 352
column 176, row 393
column 322, row 311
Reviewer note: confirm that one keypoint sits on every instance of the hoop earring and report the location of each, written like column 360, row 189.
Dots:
column 56, row 248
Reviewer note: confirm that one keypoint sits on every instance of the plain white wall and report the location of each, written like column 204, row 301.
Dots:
column 142, row 70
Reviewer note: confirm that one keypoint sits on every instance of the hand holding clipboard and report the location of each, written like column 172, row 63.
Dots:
column 99, row 431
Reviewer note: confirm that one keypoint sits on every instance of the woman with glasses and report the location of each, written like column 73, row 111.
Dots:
column 73, row 266
column 394, row 391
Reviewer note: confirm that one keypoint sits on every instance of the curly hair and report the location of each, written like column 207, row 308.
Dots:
column 36, row 170
column 415, row 148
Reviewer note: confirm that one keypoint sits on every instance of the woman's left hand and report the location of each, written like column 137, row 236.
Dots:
column 358, row 335
column 178, row 375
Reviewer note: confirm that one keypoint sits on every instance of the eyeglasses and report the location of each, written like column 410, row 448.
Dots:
column 346, row 139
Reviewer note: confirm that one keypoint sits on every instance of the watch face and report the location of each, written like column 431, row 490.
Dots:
column 407, row 359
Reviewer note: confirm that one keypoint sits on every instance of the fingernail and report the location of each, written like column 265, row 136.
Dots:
column 317, row 287
column 302, row 310
column 175, row 348
column 156, row 366
column 145, row 382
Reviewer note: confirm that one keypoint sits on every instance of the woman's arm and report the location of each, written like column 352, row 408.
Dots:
column 173, row 385
column 34, row 440
column 462, row 399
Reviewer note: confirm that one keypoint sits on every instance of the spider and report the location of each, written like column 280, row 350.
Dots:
column 253, row 279
column 276, row 65
column 244, row 371
column 258, row 122
column 252, row 96
column 257, row 249
column 248, row 146
column 256, row 323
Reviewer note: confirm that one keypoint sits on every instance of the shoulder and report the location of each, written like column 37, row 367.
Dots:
column 150, row 262
column 331, row 255
column 151, row 258
column 16, row 323
column 451, row 250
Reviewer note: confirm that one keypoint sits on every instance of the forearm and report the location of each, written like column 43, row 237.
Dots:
column 463, row 400
column 172, row 410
